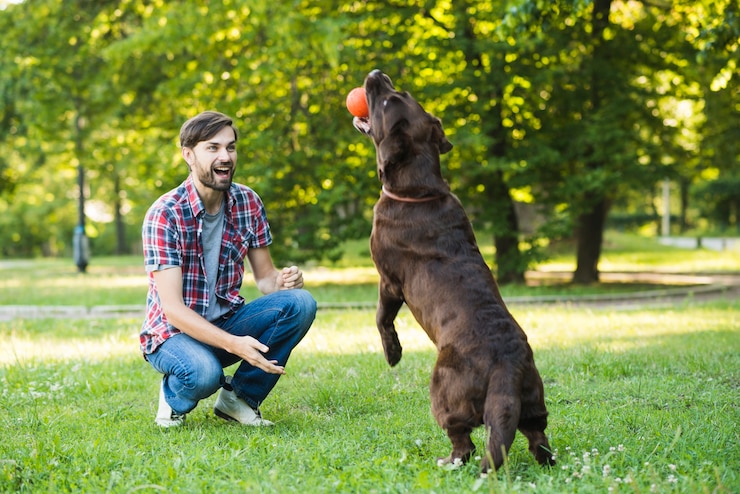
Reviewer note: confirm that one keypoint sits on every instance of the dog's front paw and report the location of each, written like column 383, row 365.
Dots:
column 393, row 357
column 392, row 348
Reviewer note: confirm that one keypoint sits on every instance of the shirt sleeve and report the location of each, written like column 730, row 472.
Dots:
column 161, row 240
column 262, row 236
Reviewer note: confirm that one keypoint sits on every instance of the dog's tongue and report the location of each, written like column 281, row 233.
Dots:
column 362, row 124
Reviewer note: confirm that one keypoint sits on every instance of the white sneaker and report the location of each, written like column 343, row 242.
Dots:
column 230, row 407
column 166, row 417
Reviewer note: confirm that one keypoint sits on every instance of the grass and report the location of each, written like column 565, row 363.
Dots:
column 640, row 400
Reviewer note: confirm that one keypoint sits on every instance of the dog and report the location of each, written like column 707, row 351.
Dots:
column 424, row 248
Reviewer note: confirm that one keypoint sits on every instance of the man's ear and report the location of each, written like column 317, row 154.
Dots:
column 438, row 135
column 188, row 155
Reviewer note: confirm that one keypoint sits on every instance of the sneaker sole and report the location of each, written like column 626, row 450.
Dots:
column 229, row 418
column 224, row 416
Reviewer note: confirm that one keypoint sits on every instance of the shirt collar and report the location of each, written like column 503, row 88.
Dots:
column 196, row 204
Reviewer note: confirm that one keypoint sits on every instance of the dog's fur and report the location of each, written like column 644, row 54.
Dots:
column 425, row 251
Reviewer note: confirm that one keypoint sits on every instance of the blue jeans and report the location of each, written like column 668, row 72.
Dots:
column 194, row 371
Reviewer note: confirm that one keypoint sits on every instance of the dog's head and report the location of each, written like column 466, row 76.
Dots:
column 399, row 127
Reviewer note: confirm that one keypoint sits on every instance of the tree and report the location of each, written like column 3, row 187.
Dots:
column 571, row 106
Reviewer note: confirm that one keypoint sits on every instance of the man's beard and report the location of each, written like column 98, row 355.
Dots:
column 209, row 178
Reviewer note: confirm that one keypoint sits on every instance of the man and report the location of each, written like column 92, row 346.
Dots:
column 196, row 238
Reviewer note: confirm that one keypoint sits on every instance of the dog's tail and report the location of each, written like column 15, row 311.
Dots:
column 501, row 416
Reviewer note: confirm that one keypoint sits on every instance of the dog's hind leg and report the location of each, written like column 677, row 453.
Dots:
column 534, row 430
column 533, row 420
column 501, row 417
column 453, row 413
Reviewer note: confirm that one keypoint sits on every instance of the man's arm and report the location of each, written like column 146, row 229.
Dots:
column 169, row 287
column 268, row 278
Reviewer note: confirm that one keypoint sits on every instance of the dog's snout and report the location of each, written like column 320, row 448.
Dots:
column 377, row 82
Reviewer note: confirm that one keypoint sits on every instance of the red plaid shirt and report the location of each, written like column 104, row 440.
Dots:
column 171, row 235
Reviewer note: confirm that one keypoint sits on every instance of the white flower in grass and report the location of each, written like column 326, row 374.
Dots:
column 620, row 447
column 672, row 467
column 672, row 479
column 606, row 470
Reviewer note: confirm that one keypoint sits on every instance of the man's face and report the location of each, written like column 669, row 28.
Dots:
column 213, row 161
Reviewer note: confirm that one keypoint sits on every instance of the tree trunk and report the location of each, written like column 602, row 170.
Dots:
column 508, row 257
column 121, row 247
column 589, row 228
column 500, row 206
column 683, row 223
column 589, row 233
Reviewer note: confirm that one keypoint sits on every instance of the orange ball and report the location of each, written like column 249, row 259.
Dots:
column 357, row 102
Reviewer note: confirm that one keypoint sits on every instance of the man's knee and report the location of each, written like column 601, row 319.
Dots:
column 204, row 378
column 306, row 303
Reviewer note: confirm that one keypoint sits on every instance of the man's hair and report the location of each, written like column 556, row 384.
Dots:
column 204, row 126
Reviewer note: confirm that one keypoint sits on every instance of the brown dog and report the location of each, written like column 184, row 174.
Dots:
column 424, row 248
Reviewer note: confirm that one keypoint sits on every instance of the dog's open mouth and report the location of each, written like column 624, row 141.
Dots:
column 362, row 124
column 377, row 84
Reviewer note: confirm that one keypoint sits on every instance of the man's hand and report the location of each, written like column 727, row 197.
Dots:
column 251, row 350
column 289, row 278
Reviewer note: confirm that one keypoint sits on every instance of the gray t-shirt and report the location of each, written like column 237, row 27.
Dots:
column 213, row 227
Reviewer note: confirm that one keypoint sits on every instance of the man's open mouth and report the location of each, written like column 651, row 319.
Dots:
column 222, row 171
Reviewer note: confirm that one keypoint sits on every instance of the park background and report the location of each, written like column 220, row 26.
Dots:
column 567, row 117
column 570, row 119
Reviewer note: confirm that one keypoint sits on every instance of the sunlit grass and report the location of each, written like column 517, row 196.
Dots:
column 640, row 400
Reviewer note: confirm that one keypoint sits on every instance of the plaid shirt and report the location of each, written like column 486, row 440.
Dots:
column 171, row 235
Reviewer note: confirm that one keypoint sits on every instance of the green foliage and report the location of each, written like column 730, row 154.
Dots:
column 545, row 103
column 721, row 201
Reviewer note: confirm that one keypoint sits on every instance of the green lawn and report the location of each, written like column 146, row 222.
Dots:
column 640, row 400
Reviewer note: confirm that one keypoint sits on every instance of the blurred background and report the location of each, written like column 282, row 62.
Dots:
column 567, row 117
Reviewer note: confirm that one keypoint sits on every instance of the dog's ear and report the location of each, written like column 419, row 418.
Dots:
column 438, row 136
column 396, row 145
